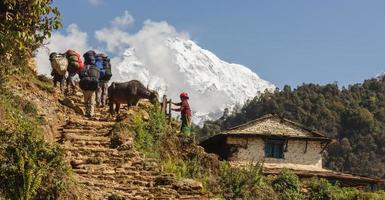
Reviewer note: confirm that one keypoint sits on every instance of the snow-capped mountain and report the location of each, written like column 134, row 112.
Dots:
column 180, row 65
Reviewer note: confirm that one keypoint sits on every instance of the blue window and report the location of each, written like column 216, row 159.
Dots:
column 274, row 148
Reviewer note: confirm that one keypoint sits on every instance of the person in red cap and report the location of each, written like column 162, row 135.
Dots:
column 185, row 112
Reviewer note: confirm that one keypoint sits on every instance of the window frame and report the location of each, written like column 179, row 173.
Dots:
column 275, row 148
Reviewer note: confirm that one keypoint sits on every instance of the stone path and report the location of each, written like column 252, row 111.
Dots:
column 102, row 171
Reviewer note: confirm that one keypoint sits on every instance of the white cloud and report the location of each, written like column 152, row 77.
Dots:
column 150, row 47
column 95, row 2
column 123, row 21
column 114, row 39
column 73, row 38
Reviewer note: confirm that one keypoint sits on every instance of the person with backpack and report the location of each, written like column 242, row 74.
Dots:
column 75, row 65
column 89, row 81
column 59, row 65
column 185, row 111
column 103, row 63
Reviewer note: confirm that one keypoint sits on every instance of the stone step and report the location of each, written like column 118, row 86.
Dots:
column 77, row 130
column 93, row 123
column 90, row 144
column 89, row 150
column 75, row 136
column 134, row 189
column 103, row 171
column 114, row 177
column 110, row 156
column 193, row 197
column 118, row 178
column 163, row 191
column 97, row 168
column 95, row 159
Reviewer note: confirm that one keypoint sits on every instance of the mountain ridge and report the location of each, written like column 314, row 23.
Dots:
column 213, row 84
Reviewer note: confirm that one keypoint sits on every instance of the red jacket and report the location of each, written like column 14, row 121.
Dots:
column 184, row 109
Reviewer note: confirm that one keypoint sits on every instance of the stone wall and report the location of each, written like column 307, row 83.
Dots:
column 252, row 149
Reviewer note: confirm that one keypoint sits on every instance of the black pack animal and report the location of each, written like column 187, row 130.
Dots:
column 129, row 93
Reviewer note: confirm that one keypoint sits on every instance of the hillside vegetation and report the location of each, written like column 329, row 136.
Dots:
column 35, row 164
column 31, row 168
column 353, row 116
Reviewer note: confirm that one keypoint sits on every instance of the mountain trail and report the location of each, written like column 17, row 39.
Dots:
column 102, row 171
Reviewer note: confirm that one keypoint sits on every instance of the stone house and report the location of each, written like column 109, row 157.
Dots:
column 272, row 140
column 278, row 143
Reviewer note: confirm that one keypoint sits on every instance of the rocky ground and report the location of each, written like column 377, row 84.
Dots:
column 125, row 172
column 100, row 171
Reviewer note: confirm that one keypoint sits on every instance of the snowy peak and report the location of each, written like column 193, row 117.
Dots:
column 179, row 65
column 209, row 73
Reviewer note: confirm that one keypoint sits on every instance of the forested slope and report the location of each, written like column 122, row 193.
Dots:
column 353, row 116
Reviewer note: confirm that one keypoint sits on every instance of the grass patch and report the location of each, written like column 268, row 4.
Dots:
column 26, row 159
column 17, row 114
column 149, row 134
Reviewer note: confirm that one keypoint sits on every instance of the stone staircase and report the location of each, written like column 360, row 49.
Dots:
column 102, row 171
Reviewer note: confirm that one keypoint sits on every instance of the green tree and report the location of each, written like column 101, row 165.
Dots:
column 24, row 26
column 353, row 116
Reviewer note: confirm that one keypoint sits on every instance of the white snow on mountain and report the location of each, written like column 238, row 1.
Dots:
column 180, row 65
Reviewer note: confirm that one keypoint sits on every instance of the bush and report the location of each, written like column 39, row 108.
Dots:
column 185, row 168
column 288, row 185
column 345, row 193
column 380, row 195
column 243, row 183
column 143, row 141
column 320, row 189
column 27, row 160
column 180, row 169
column 148, row 134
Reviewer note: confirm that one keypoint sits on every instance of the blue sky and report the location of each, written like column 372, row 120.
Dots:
column 285, row 42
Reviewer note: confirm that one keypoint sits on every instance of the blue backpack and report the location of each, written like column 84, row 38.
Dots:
column 99, row 63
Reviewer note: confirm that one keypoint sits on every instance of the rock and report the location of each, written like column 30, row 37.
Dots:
column 67, row 102
column 32, row 64
column 108, row 171
column 71, row 104
column 79, row 110
column 145, row 115
column 76, row 163
column 79, row 94
column 125, row 146
column 165, row 179
column 188, row 184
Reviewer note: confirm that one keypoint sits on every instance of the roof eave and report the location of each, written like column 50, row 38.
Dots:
column 251, row 135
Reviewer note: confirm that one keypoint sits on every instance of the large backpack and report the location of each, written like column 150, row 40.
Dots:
column 106, row 66
column 59, row 63
column 89, row 57
column 89, row 78
column 75, row 63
